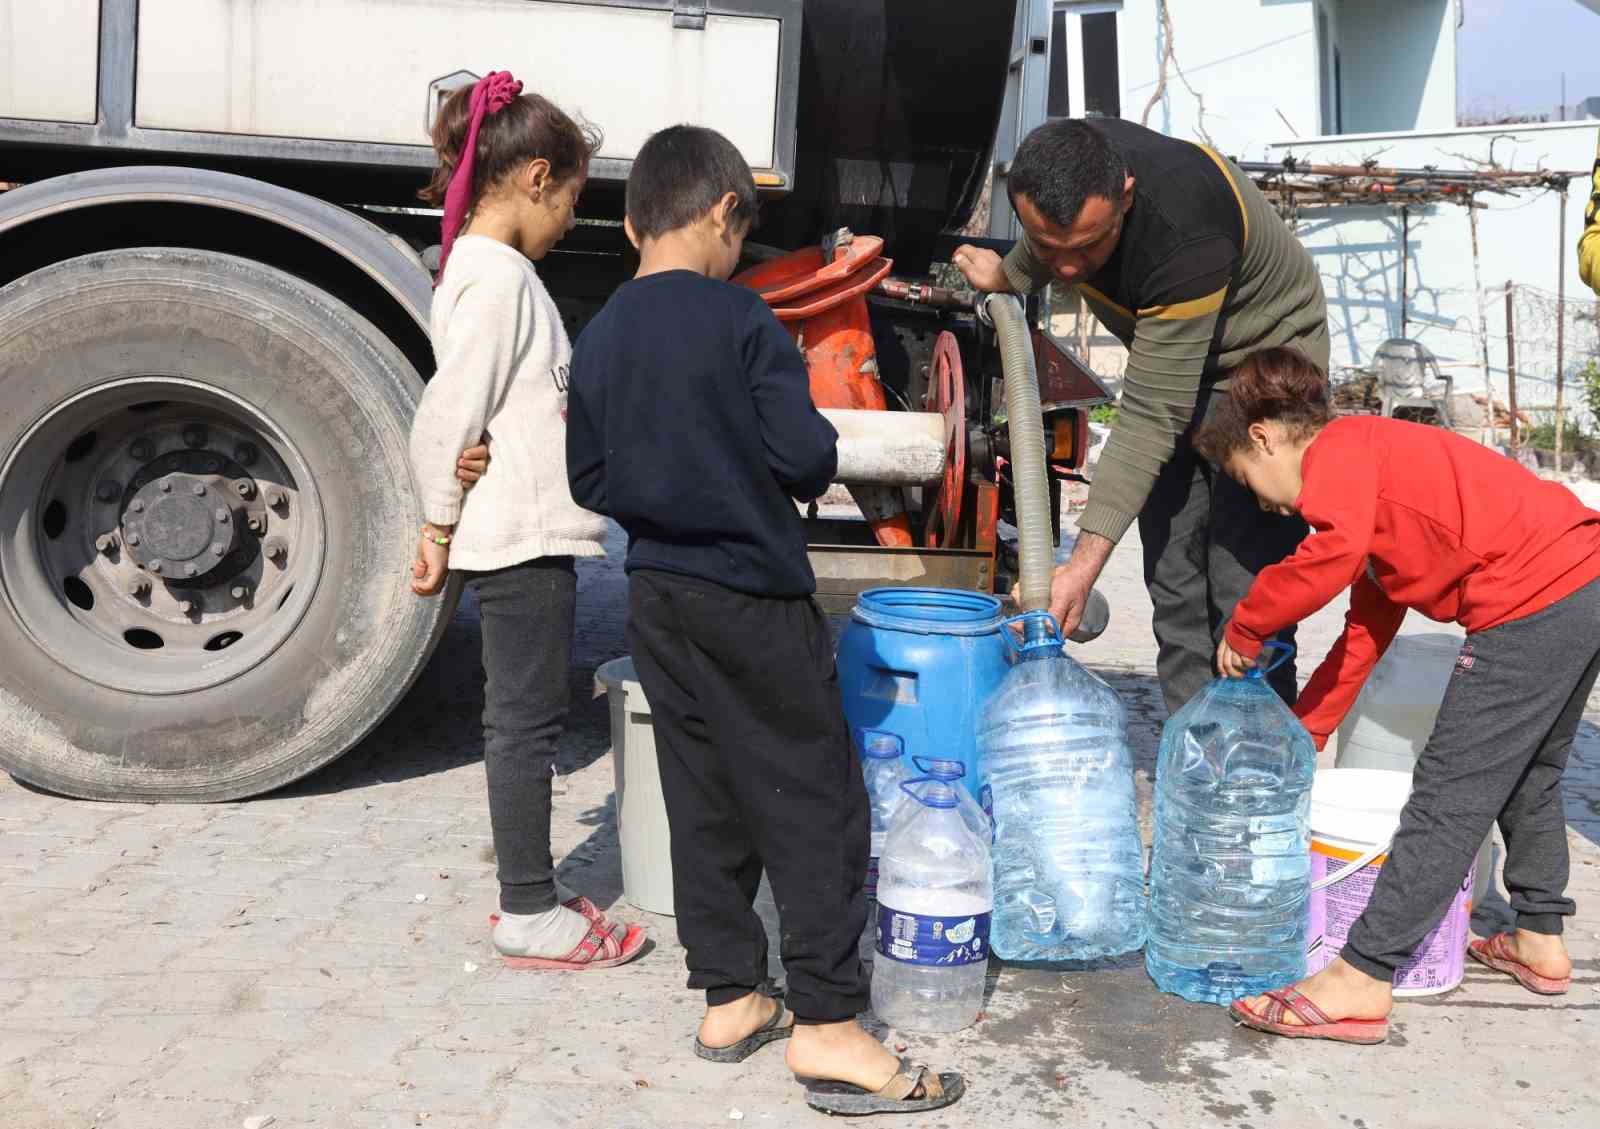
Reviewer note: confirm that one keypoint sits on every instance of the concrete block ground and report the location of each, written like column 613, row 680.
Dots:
column 168, row 968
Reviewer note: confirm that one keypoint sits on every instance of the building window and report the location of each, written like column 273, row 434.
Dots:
column 1058, row 101
column 1102, row 88
column 1084, row 79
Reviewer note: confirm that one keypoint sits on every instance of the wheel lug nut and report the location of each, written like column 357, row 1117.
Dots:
column 186, row 607
column 134, row 539
column 245, row 453
column 198, row 489
column 194, row 435
column 240, row 592
column 137, row 505
column 141, row 449
column 218, row 549
column 255, row 525
column 107, row 491
column 245, row 488
column 276, row 549
column 136, row 586
column 276, row 497
column 105, row 543
column 155, row 565
column 166, row 487
column 222, row 515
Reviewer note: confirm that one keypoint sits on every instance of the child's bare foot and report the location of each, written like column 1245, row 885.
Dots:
column 1545, row 953
column 727, row 1024
column 841, row 1052
column 1340, row 991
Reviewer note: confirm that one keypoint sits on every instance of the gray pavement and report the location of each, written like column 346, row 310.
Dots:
column 320, row 958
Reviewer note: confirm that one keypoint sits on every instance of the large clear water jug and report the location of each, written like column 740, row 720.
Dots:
column 1056, row 777
column 1394, row 715
column 1230, row 868
column 934, row 905
column 883, row 768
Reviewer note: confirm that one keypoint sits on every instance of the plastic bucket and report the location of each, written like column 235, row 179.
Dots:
column 1354, row 815
column 641, row 808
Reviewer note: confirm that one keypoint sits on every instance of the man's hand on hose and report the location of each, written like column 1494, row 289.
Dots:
column 981, row 268
column 1072, row 582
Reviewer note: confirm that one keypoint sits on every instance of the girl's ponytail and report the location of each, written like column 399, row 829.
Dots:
column 488, row 131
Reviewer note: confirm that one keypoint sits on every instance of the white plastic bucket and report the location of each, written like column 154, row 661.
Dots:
column 641, row 809
column 1354, row 815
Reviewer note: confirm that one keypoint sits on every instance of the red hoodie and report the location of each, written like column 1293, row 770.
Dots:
column 1413, row 517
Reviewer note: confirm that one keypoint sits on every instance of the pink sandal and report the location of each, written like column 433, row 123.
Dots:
column 1314, row 1023
column 600, row 948
column 1494, row 954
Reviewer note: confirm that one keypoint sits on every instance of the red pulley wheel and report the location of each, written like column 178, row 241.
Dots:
column 947, row 395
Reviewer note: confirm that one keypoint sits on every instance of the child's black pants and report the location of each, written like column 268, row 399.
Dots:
column 758, row 772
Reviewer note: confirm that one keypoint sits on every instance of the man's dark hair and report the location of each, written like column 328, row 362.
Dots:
column 1063, row 163
column 680, row 174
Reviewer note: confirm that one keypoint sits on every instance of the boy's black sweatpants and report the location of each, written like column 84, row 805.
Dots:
column 1496, row 755
column 758, row 772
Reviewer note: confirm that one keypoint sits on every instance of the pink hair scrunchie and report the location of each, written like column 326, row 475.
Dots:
column 493, row 93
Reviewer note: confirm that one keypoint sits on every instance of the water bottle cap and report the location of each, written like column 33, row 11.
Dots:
column 941, row 795
column 880, row 746
column 1041, row 635
column 940, row 768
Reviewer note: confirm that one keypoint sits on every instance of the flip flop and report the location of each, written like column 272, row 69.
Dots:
column 769, row 1032
column 897, row 1095
column 1494, row 954
column 599, row 948
column 1314, row 1023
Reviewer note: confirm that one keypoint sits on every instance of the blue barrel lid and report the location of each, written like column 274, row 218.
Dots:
column 929, row 611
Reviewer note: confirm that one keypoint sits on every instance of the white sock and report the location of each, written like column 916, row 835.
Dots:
column 552, row 934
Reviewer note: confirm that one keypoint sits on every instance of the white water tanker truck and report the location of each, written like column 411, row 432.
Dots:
column 213, row 331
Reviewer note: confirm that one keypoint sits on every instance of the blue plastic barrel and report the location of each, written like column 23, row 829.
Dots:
column 919, row 663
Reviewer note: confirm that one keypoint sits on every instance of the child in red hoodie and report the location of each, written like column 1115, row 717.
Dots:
column 1407, row 516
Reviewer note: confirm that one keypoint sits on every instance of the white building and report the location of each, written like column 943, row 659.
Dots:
column 1341, row 82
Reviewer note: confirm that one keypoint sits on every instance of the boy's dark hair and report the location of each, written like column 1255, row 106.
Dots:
column 1060, row 165
column 526, row 129
column 680, row 174
column 1280, row 384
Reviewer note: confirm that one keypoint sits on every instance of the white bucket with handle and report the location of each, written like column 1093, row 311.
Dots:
column 1354, row 815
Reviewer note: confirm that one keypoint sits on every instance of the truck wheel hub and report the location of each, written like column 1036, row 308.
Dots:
column 182, row 521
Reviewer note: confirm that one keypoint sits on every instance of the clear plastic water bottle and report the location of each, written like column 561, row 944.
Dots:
column 1056, row 776
column 883, row 767
column 1230, row 872
column 934, row 903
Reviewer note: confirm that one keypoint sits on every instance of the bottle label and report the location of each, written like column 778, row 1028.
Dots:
column 871, row 886
column 943, row 941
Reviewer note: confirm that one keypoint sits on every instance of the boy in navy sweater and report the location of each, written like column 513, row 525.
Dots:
column 690, row 423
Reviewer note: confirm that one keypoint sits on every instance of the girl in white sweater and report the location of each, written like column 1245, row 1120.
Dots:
column 511, row 166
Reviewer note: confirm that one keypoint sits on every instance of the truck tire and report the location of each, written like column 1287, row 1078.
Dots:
column 206, row 523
